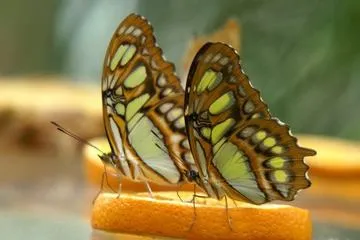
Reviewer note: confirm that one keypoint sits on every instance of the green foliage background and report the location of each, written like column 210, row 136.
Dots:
column 304, row 56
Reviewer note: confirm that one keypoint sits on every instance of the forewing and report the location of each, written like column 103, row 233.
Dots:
column 136, row 79
column 219, row 94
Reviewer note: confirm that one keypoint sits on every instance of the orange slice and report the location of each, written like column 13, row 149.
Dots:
column 166, row 216
column 335, row 157
column 94, row 169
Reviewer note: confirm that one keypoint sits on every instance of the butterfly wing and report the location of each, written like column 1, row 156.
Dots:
column 239, row 149
column 143, row 104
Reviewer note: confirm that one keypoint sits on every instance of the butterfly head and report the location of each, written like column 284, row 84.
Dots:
column 106, row 158
column 193, row 176
column 193, row 117
column 199, row 120
column 109, row 94
column 110, row 158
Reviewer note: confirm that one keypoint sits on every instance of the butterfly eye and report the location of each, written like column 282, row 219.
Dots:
column 193, row 117
column 192, row 175
column 103, row 158
column 107, row 93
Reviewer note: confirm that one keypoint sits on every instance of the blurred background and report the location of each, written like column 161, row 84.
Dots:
column 304, row 57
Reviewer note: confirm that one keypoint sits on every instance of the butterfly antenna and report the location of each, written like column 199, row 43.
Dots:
column 73, row 135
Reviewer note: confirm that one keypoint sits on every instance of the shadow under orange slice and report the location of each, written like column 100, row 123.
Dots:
column 166, row 216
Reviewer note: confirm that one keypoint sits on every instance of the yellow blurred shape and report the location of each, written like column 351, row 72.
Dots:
column 229, row 33
column 335, row 157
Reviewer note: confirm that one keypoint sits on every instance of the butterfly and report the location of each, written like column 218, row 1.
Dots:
column 240, row 150
column 227, row 142
column 142, row 102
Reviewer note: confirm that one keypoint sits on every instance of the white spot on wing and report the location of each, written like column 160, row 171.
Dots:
column 109, row 102
column 161, row 81
column 180, row 123
column 129, row 30
column 165, row 107
column 145, row 52
column 216, row 58
column 189, row 158
column 104, row 84
column 166, row 92
column 114, row 79
column 232, row 79
column 137, row 32
column 154, row 64
column 249, row 106
column 174, row 114
column 223, row 61
column 176, row 138
column 241, row 91
column 185, row 144
column 121, row 30
column 208, row 58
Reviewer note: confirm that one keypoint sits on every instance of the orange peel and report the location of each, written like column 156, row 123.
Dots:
column 166, row 216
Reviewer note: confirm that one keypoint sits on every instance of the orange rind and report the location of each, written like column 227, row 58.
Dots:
column 166, row 216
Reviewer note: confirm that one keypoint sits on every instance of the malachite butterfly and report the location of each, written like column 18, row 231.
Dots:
column 237, row 148
column 240, row 150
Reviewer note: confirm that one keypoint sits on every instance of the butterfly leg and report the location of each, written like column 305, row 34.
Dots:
column 194, row 207
column 141, row 177
column 234, row 202
column 177, row 193
column 101, row 187
column 193, row 200
column 118, row 191
column 229, row 219
column 149, row 189
column 104, row 177
column 119, row 187
column 182, row 200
